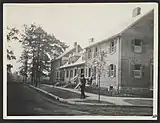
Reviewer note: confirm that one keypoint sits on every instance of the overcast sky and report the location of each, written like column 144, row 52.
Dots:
column 70, row 22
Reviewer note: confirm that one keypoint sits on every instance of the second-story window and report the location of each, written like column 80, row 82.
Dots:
column 111, row 70
column 89, row 54
column 112, row 46
column 137, row 45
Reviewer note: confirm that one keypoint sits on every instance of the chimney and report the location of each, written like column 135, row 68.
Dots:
column 136, row 11
column 76, row 46
column 91, row 40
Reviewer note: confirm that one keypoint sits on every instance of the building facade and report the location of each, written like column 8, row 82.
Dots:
column 125, row 57
column 128, row 56
column 57, row 73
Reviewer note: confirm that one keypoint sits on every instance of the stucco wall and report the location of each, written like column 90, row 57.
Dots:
column 143, row 30
column 109, row 58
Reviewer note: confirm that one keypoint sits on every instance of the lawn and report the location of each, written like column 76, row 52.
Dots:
column 60, row 93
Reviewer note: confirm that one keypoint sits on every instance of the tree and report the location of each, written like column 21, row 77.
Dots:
column 100, row 64
column 12, row 34
column 41, row 47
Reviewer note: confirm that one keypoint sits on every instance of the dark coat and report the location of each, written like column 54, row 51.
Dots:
column 83, row 83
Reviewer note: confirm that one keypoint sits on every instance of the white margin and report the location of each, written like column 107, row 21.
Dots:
column 155, row 87
column 4, row 66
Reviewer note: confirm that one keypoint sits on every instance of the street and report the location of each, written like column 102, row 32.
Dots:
column 22, row 100
column 25, row 101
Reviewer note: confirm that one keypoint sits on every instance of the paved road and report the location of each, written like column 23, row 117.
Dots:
column 23, row 100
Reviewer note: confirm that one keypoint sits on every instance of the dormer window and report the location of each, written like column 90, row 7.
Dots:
column 137, row 45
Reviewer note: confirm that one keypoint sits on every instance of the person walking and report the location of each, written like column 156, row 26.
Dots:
column 82, row 86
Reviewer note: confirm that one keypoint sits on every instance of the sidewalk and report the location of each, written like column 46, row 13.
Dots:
column 72, row 96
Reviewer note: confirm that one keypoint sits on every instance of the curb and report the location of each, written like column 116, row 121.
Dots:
column 82, row 103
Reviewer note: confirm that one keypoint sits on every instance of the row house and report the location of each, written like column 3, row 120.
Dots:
column 58, row 65
column 128, row 55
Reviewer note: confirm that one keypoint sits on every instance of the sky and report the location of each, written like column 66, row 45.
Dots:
column 69, row 22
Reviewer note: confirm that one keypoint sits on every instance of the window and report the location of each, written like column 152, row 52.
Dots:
column 86, row 72
column 95, row 52
column 67, row 74
column 94, row 72
column 89, row 53
column 112, row 46
column 63, row 73
column 137, row 45
column 82, row 71
column 89, row 72
column 71, row 73
column 137, row 71
column 112, row 70
column 75, row 72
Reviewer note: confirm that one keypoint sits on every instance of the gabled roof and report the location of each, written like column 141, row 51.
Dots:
column 120, row 29
column 80, row 61
column 67, row 51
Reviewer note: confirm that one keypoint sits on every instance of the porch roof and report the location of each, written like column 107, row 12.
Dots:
column 80, row 61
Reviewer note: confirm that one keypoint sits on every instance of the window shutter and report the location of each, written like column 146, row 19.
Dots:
column 108, row 71
column 132, row 45
column 143, row 46
column 132, row 70
column 114, row 70
column 142, row 70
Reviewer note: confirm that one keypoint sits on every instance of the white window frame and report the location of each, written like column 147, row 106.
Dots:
column 138, row 48
column 113, row 48
column 111, row 71
column 140, row 72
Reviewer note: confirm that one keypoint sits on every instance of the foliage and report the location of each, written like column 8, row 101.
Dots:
column 12, row 34
column 39, row 47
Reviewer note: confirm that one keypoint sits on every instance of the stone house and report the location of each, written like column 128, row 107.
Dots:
column 128, row 55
